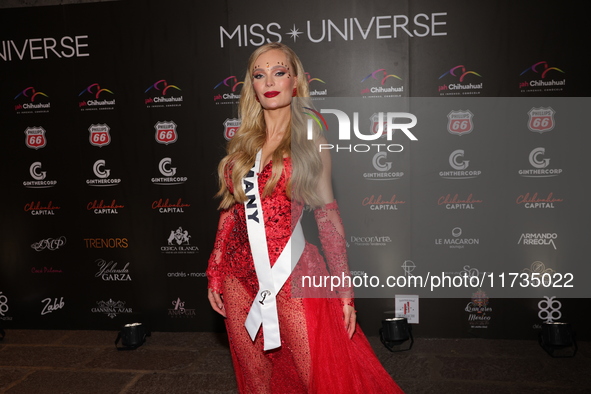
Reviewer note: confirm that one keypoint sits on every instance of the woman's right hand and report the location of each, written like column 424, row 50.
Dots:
column 215, row 299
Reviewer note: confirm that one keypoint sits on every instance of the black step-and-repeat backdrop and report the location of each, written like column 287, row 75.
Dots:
column 115, row 115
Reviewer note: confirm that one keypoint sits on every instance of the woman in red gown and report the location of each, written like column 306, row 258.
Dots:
column 299, row 340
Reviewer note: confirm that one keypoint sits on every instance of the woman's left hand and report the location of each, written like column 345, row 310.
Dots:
column 350, row 317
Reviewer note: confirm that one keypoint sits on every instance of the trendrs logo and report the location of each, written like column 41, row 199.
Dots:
column 457, row 162
column 39, row 182
column 168, row 171
column 102, row 175
column 540, row 165
column 35, row 137
column 100, row 98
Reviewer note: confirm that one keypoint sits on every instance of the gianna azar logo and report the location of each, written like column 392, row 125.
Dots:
column 386, row 124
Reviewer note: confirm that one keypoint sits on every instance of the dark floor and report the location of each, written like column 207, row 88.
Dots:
column 39, row 361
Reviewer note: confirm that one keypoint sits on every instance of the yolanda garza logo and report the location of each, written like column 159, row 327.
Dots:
column 49, row 244
column 541, row 77
column 460, row 122
column 102, row 208
column 314, row 92
column 111, row 308
column 379, row 204
column 168, row 172
column 35, row 137
column 166, row 206
column 95, row 98
column 102, row 176
column 537, row 201
column 178, row 310
column 179, row 243
column 370, row 240
column 230, row 127
column 51, row 305
column 30, row 101
column 40, row 209
column 382, row 85
column 380, row 27
column 109, row 272
column 541, row 119
column 456, row 202
column 99, row 135
column 166, row 132
column 466, row 82
column 456, row 241
column 39, row 176
column 538, row 239
column 4, row 307
column 161, row 94
column 384, row 169
column 380, row 124
column 460, row 167
column 478, row 310
column 106, row 243
column 540, row 164
column 227, row 91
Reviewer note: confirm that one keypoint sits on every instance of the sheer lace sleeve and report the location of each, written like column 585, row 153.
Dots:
column 216, row 260
column 334, row 246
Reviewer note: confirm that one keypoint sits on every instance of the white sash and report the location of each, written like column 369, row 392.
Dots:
column 271, row 279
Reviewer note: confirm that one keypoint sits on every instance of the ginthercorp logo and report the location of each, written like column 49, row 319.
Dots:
column 313, row 83
column 381, row 84
column 378, row 123
column 465, row 82
column 314, row 31
column 168, row 206
column 99, row 135
column 166, row 132
column 460, row 167
column 102, row 174
column 460, row 122
column 31, row 101
column 49, row 244
column 179, row 310
column 540, row 165
column 179, row 242
column 95, row 98
column 380, row 203
column 541, row 119
column 457, row 241
column 35, row 137
column 538, row 239
column 541, row 77
column 479, row 310
column 109, row 271
column 227, row 91
column 537, row 200
column 111, row 308
column 161, row 94
column 37, row 208
column 383, row 167
column 39, row 176
column 104, row 208
column 231, row 125
column 459, row 202
column 168, row 174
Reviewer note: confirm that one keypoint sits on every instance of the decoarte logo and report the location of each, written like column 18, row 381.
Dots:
column 106, row 243
column 179, row 310
column 536, row 201
column 102, row 175
column 382, row 27
column 101, row 208
column 162, row 94
column 541, row 77
column 38, row 208
column 456, row 202
column 179, row 243
column 378, row 204
column 39, row 176
column 109, row 272
column 168, row 172
column 371, row 240
column 95, row 98
column 540, row 164
column 165, row 206
column 538, row 239
column 466, row 82
column 229, row 90
column 460, row 166
column 30, row 101
column 111, row 308
column 385, row 87
column 457, row 242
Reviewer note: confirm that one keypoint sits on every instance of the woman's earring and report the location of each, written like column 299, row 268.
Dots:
column 295, row 92
column 257, row 97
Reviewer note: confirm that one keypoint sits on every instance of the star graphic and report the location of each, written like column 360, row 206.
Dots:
column 294, row 33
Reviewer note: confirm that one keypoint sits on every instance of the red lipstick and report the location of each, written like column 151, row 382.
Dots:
column 271, row 94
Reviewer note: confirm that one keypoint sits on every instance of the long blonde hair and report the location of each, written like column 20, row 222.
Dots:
column 250, row 137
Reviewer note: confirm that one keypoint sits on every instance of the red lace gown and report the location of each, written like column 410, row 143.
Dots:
column 316, row 355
